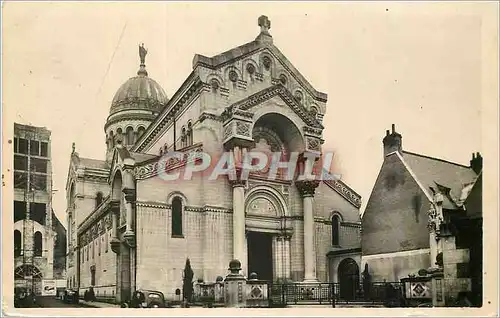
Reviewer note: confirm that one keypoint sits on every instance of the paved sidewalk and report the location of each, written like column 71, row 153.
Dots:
column 96, row 304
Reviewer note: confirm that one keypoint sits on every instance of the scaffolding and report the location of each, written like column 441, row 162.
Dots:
column 29, row 271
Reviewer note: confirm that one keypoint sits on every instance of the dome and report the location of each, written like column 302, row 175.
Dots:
column 140, row 92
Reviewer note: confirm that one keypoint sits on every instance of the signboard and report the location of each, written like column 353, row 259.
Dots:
column 49, row 287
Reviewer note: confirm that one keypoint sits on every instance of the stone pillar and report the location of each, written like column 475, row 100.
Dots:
column 235, row 286
column 438, row 289
column 239, row 237
column 115, row 212
column 129, row 235
column 307, row 189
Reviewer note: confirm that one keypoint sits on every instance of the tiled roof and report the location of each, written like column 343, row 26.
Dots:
column 141, row 157
column 436, row 173
column 93, row 163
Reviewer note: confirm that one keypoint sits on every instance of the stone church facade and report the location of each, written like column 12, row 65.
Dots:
column 130, row 228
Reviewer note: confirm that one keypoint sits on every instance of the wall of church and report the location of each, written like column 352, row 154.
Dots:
column 395, row 217
column 86, row 194
column 98, row 254
column 190, row 114
column 207, row 234
column 206, row 242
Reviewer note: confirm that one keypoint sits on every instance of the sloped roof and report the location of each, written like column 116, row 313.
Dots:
column 141, row 157
column 93, row 163
column 435, row 173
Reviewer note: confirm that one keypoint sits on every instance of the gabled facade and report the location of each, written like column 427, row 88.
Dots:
column 417, row 210
column 145, row 225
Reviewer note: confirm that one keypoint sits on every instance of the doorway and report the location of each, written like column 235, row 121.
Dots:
column 348, row 274
column 260, row 255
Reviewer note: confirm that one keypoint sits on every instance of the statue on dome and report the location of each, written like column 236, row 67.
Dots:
column 142, row 53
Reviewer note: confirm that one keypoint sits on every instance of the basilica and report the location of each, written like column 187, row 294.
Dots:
column 129, row 228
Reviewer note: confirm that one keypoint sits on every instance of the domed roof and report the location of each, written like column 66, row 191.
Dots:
column 139, row 92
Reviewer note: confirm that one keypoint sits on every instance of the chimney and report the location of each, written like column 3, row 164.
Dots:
column 476, row 162
column 392, row 141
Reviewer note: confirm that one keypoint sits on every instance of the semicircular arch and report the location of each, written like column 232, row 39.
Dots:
column 270, row 194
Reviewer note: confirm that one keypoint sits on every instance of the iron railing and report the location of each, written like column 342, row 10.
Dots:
column 386, row 293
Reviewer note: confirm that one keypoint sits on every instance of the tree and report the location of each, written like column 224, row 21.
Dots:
column 187, row 284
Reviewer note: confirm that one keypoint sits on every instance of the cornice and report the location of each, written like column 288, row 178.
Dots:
column 346, row 192
column 200, row 209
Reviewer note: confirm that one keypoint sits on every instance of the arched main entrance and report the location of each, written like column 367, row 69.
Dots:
column 348, row 278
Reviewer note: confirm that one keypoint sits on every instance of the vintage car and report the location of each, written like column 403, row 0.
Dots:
column 146, row 299
column 70, row 296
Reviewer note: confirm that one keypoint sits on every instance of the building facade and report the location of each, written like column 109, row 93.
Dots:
column 39, row 237
column 421, row 207
column 130, row 228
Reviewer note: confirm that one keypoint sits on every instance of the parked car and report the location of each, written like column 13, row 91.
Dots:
column 70, row 296
column 147, row 299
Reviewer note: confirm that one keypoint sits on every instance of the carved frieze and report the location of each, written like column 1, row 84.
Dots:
column 243, row 129
column 153, row 168
column 312, row 131
column 345, row 191
column 313, row 144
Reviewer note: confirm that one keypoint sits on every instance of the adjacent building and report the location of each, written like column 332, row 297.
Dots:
column 421, row 207
column 39, row 237
column 130, row 228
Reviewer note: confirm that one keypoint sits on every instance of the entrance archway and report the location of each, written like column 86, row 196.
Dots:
column 348, row 278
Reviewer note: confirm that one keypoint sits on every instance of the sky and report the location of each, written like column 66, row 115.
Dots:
column 416, row 65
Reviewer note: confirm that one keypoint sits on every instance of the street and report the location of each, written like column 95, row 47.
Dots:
column 53, row 302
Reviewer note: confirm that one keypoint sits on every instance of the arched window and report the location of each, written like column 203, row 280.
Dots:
column 189, row 134
column 111, row 139
column 17, row 243
column 119, row 136
column 177, row 217
column 98, row 199
column 140, row 132
column 38, row 244
column 335, row 230
column 183, row 137
column 130, row 136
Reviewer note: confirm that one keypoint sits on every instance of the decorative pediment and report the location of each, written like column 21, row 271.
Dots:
column 286, row 96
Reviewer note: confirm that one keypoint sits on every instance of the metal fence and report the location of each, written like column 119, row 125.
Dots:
column 385, row 293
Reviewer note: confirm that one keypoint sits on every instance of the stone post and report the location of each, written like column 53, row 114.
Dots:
column 235, row 286
column 438, row 289
column 307, row 189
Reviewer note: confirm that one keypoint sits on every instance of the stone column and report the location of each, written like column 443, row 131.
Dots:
column 115, row 241
column 239, row 220
column 307, row 189
column 129, row 235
